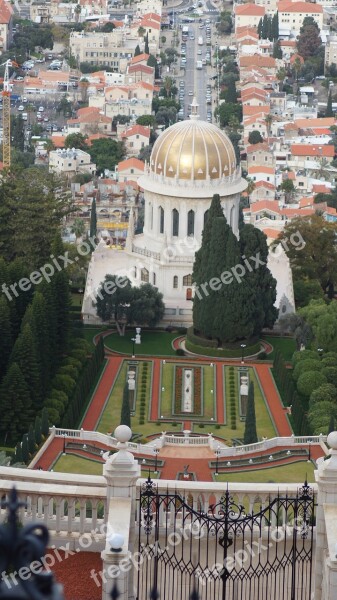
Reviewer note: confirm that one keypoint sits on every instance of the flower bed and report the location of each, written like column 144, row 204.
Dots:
column 197, row 392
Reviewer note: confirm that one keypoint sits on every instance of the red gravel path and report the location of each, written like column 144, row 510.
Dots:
column 74, row 573
column 102, row 392
column 273, row 399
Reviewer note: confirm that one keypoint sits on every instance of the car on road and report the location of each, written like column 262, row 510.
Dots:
column 24, row 100
column 20, row 78
column 190, row 93
column 50, row 57
column 199, row 52
column 41, row 109
column 21, row 107
column 46, row 119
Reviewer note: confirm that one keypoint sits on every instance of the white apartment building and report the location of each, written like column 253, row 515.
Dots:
column 292, row 14
column 331, row 51
column 70, row 162
column 97, row 48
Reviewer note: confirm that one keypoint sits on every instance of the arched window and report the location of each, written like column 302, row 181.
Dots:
column 187, row 280
column 175, row 222
column 161, row 219
column 144, row 275
column 154, row 278
column 175, row 281
column 190, row 222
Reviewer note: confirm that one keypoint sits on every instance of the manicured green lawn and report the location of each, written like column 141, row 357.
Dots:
column 85, row 466
column 167, row 378
column 76, row 299
column 209, row 383
column 286, row 345
column 291, row 473
column 90, row 332
column 152, row 343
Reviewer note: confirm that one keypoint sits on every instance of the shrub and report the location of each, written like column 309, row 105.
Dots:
column 218, row 426
column 304, row 366
column 68, row 370
column 304, row 355
column 325, row 392
column 141, row 421
column 79, row 354
column 201, row 425
column 308, row 382
column 182, row 330
column 74, row 362
column 174, row 424
column 262, row 356
column 64, row 383
column 180, row 352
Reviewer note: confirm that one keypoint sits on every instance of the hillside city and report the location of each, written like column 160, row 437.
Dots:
column 168, row 326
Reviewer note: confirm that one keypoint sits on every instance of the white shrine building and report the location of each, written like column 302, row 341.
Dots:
column 190, row 162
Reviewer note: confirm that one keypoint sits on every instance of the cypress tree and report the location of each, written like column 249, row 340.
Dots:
column 31, row 440
column 275, row 27
column 137, row 50
column 146, row 46
column 24, row 448
column 45, row 422
column 37, row 431
column 93, row 220
column 24, row 354
column 15, row 403
column 40, row 330
column 277, row 50
column 60, row 288
column 250, row 435
column 265, row 27
column 125, row 411
column 259, row 27
column 253, row 243
column 329, row 112
column 6, row 335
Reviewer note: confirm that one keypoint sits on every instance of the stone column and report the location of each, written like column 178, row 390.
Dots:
column 326, row 525
column 121, row 471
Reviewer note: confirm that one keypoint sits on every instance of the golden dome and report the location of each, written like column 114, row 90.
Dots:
column 193, row 150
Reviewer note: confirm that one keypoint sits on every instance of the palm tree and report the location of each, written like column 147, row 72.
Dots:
column 168, row 83
column 281, row 75
column 78, row 227
column 49, row 145
column 268, row 121
column 77, row 12
column 250, row 188
column 323, row 171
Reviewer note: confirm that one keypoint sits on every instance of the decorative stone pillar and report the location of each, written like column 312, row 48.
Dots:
column 121, row 471
column 326, row 524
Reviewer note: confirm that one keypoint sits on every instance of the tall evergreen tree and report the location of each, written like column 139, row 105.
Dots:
column 277, row 50
column 329, row 112
column 24, row 354
column 146, row 46
column 331, row 424
column 45, row 422
column 253, row 243
column 31, row 440
column 250, row 435
column 5, row 335
column 125, row 411
column 15, row 404
column 18, row 453
column 265, row 27
column 93, row 219
column 275, row 27
column 60, row 287
column 37, row 430
column 259, row 27
column 24, row 448
column 137, row 50
column 40, row 328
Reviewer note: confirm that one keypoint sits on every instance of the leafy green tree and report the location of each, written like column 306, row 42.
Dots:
column 228, row 110
column 313, row 255
column 309, row 41
column 146, row 306
column 18, row 132
column 106, row 153
column 146, row 120
column 320, row 415
column 125, row 411
column 308, row 382
column 255, row 137
column 113, row 301
column 108, row 27
column 15, row 403
column 231, row 93
column 250, row 435
column 76, row 140
column 6, row 335
column 93, row 219
column 287, row 186
column 304, row 366
column 306, row 290
column 277, row 50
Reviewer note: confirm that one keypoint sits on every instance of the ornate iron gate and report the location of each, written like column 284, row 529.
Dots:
column 222, row 552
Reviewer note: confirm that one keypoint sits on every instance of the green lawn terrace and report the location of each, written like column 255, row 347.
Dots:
column 157, row 403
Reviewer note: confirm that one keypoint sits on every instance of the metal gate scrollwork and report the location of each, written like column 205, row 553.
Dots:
column 222, row 551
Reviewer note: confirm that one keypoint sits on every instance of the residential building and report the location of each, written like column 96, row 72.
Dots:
column 292, row 14
column 130, row 169
column 113, row 49
column 331, row 51
column 6, row 25
column 135, row 139
column 90, row 120
column 70, row 162
column 248, row 15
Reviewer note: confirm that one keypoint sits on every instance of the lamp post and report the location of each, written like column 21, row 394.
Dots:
column 309, row 456
column 64, row 443
column 320, row 352
column 242, row 353
column 156, row 451
column 217, row 452
column 133, row 340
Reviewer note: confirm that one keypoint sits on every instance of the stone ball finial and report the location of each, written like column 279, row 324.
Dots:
column 123, row 434
column 332, row 440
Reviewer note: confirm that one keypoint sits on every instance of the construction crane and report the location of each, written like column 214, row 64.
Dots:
column 6, row 115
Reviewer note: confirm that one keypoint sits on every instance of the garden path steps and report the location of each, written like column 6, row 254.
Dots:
column 101, row 394
column 273, row 399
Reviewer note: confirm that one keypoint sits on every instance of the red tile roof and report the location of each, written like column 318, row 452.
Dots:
column 140, row 58
column 130, row 163
column 299, row 7
column 312, row 150
column 6, row 12
column 267, row 62
column 250, row 10
column 321, row 189
column 261, row 169
column 136, row 130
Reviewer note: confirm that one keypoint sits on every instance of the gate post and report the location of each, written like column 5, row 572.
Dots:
column 121, row 472
column 326, row 519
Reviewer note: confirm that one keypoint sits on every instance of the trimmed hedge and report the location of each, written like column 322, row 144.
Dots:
column 220, row 352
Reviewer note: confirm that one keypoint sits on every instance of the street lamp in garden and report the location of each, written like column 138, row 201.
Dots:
column 133, row 340
column 64, row 443
column 320, row 352
column 242, row 353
